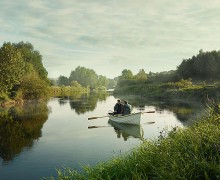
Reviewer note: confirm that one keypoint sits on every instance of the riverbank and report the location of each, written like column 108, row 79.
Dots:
column 11, row 103
column 190, row 153
column 172, row 90
column 20, row 98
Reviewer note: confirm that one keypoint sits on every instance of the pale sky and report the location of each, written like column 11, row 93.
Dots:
column 111, row 35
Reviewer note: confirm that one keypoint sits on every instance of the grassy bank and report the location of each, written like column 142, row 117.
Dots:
column 190, row 153
column 182, row 89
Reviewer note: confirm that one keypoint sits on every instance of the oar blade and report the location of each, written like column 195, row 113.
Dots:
column 91, row 118
column 149, row 112
column 92, row 127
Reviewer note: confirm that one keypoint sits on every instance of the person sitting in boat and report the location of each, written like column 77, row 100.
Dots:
column 118, row 107
column 126, row 108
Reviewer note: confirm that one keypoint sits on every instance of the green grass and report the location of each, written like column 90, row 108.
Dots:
column 189, row 153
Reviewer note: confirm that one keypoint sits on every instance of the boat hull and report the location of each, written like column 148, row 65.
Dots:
column 134, row 118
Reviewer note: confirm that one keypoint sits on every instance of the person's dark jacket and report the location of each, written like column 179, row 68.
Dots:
column 126, row 109
column 118, row 108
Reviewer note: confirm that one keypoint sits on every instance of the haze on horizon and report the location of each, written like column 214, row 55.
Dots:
column 109, row 36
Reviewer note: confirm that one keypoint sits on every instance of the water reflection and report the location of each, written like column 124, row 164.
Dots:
column 66, row 139
column 85, row 102
column 127, row 130
column 20, row 127
column 186, row 111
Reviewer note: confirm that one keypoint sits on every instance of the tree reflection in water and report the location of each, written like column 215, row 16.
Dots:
column 185, row 110
column 87, row 102
column 20, row 127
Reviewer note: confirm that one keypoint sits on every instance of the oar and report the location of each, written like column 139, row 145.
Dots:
column 149, row 112
column 149, row 122
column 90, row 118
column 91, row 127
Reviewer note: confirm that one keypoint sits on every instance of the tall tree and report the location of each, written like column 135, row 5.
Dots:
column 12, row 67
column 33, row 57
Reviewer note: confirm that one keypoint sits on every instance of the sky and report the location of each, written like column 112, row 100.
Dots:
column 109, row 36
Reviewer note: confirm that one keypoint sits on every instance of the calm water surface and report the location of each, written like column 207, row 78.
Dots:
column 38, row 138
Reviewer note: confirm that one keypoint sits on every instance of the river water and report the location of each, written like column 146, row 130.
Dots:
column 37, row 138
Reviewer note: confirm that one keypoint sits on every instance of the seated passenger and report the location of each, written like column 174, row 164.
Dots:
column 118, row 107
column 126, row 108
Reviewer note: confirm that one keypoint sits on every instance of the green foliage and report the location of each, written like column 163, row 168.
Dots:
column 126, row 74
column 112, row 83
column 33, row 57
column 206, row 65
column 102, row 81
column 181, row 89
column 11, row 67
column 33, row 87
column 63, row 81
column 141, row 75
column 162, row 77
column 4, row 97
column 179, row 85
column 86, row 77
column 20, row 64
column 75, row 90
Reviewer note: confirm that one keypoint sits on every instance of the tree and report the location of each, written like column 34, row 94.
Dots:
column 102, row 81
column 141, row 75
column 12, row 67
column 84, row 76
column 206, row 65
column 112, row 83
column 33, row 87
column 126, row 74
column 33, row 57
column 63, row 81
column 76, row 86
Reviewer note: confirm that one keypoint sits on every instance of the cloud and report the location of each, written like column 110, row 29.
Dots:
column 111, row 35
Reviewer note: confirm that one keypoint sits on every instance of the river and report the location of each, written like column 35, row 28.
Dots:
column 37, row 138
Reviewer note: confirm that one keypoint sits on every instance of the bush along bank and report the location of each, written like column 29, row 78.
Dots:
column 188, row 153
column 182, row 89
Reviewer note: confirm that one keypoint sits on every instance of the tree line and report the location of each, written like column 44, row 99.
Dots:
column 24, row 76
column 87, row 78
column 205, row 65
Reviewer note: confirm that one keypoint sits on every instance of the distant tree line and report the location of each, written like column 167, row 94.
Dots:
column 87, row 78
column 205, row 65
column 194, row 77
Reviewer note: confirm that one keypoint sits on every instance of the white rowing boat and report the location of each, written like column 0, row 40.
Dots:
column 133, row 118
